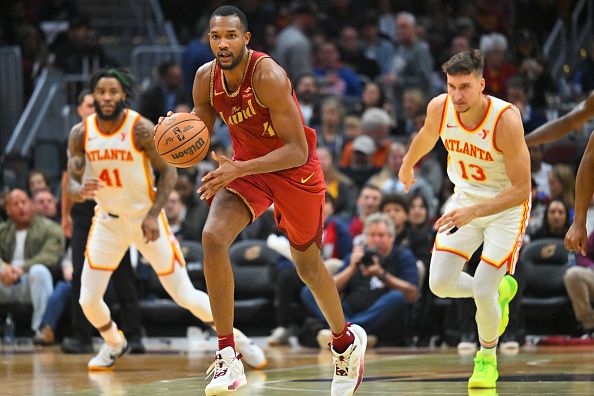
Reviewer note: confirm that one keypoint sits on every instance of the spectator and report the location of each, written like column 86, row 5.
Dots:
column 562, row 185
column 540, row 172
column 196, row 54
column 338, row 185
column 517, row 94
column 376, row 285
column 29, row 246
column 38, row 180
column 352, row 127
column 335, row 79
column 45, row 204
column 330, row 134
column 376, row 124
column 165, row 94
column 396, row 206
column 420, row 232
column 175, row 210
column 197, row 210
column 351, row 53
column 497, row 70
column 337, row 238
column 579, row 283
column 293, row 49
column 361, row 168
column 556, row 222
column 373, row 96
column 307, row 91
column 368, row 202
column 413, row 102
column 375, row 46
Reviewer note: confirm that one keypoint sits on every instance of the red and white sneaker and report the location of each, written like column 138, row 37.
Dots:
column 228, row 374
column 349, row 365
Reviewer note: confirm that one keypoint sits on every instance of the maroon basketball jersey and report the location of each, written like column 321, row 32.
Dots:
column 250, row 126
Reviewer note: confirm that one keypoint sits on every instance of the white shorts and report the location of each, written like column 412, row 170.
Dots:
column 110, row 237
column 502, row 234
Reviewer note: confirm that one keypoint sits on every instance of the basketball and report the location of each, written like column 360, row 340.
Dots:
column 182, row 140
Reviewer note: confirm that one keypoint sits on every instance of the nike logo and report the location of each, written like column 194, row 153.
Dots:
column 305, row 179
column 218, row 93
column 451, row 126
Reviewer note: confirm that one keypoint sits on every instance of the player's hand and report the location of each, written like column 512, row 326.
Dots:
column 213, row 181
column 90, row 188
column 67, row 226
column 575, row 240
column 455, row 218
column 406, row 176
column 150, row 228
column 161, row 120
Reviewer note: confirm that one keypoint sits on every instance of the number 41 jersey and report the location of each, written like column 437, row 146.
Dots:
column 124, row 170
column 475, row 164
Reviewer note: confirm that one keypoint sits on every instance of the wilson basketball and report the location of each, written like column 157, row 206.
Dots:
column 182, row 140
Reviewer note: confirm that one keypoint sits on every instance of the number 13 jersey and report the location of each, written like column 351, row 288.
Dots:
column 124, row 170
column 475, row 164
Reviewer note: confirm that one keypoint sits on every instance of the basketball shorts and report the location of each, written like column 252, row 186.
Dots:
column 110, row 236
column 501, row 233
column 298, row 198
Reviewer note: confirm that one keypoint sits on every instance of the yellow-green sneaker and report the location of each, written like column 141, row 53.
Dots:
column 485, row 372
column 507, row 291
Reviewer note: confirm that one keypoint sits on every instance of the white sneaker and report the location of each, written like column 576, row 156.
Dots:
column 252, row 354
column 467, row 348
column 228, row 374
column 349, row 365
column 279, row 336
column 107, row 355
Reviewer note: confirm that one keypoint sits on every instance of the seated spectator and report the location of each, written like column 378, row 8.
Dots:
column 396, row 206
column 338, row 185
column 337, row 238
column 413, row 103
column 360, row 167
column 540, row 171
column 37, row 181
column 351, row 53
column 335, row 79
column 175, row 210
column 308, row 93
column 421, row 234
column 517, row 93
column 556, row 222
column 45, row 204
column 537, row 210
column 497, row 69
column 376, row 281
column 368, row 202
column 163, row 95
column 376, row 124
column 579, row 283
column 562, row 185
column 329, row 132
column 197, row 210
column 29, row 246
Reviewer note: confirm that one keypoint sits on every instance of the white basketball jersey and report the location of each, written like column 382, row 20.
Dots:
column 124, row 170
column 475, row 164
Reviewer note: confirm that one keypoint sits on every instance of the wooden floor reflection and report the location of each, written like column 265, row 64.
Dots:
column 171, row 368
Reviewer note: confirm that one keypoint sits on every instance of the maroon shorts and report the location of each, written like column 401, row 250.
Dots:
column 298, row 198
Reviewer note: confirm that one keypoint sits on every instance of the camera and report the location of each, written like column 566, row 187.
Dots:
column 367, row 258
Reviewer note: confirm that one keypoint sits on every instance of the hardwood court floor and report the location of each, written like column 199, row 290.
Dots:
column 172, row 368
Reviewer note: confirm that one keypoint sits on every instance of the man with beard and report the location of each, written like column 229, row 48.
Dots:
column 275, row 162
column 489, row 165
column 111, row 155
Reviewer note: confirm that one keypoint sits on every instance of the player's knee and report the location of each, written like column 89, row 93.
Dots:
column 438, row 285
column 213, row 238
column 571, row 276
column 309, row 274
column 86, row 299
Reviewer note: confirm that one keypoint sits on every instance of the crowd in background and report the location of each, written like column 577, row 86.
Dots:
column 363, row 74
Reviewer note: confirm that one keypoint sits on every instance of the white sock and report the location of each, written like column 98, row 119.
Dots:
column 112, row 336
column 489, row 351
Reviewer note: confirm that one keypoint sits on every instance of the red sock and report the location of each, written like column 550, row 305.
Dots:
column 226, row 341
column 340, row 342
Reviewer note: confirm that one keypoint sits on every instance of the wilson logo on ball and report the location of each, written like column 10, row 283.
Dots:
column 190, row 149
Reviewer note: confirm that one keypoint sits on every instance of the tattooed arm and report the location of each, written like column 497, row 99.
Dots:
column 143, row 138
column 79, row 190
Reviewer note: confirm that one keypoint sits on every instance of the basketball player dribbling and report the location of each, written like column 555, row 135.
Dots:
column 489, row 164
column 111, row 157
column 275, row 162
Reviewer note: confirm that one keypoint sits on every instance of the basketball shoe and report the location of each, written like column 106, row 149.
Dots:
column 107, row 355
column 228, row 374
column 349, row 365
column 252, row 354
column 485, row 372
column 507, row 291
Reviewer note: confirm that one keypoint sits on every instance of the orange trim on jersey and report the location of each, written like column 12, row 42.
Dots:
column 443, row 114
column 132, row 134
column 87, row 255
column 481, row 123
column 450, row 250
column 497, row 118
column 512, row 257
column 176, row 253
column 245, row 202
column 148, row 176
column 117, row 130
column 85, row 134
